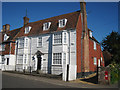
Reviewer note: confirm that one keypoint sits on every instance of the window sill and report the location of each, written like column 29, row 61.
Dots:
column 21, row 48
column 57, row 44
column 39, row 46
column 56, row 64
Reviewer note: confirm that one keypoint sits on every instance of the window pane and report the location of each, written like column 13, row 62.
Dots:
column 39, row 41
column 58, row 38
column 57, row 58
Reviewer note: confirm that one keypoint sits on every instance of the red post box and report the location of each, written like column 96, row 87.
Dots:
column 106, row 75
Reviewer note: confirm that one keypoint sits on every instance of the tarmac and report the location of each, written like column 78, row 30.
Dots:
column 78, row 83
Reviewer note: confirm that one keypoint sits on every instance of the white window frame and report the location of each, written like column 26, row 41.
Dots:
column 27, row 29
column 95, row 45
column 5, row 37
column 101, row 59
column 38, row 38
column 25, row 58
column 64, row 58
column 62, row 22
column 46, row 26
column 90, row 34
column 57, row 59
column 26, row 42
column 18, row 60
column 57, row 38
column 99, row 62
column 2, row 47
column 21, row 43
column 95, row 61
column 65, row 37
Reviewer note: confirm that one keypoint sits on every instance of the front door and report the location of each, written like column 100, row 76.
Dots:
column 7, row 61
column 39, row 62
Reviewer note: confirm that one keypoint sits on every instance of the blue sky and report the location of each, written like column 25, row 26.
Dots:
column 102, row 17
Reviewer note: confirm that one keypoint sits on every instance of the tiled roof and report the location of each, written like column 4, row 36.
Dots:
column 93, row 38
column 11, row 35
column 37, row 27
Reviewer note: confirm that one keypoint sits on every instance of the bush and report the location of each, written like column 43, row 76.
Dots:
column 115, row 73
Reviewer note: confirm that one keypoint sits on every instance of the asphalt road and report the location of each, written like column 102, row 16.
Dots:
column 17, row 82
column 11, row 80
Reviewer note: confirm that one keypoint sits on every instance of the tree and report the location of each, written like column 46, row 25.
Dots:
column 111, row 43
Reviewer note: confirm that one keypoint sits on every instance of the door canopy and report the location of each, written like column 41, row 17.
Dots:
column 39, row 53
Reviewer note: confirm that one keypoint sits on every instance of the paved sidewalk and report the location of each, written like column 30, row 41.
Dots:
column 73, row 84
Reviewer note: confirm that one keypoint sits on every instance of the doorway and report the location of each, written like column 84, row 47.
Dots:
column 7, row 61
column 39, row 58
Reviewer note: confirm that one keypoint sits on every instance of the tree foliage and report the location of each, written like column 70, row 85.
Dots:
column 111, row 43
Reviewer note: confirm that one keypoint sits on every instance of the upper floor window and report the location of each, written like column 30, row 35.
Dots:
column 39, row 42
column 46, row 26
column 90, row 34
column 5, row 37
column 58, row 38
column 57, row 58
column 27, row 29
column 65, row 37
column 95, row 45
column 62, row 22
column 2, row 47
column 26, row 42
column 21, row 43
column 64, row 58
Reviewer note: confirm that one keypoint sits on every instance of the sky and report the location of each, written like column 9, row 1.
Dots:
column 102, row 17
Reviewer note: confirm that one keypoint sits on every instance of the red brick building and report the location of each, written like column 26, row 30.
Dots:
column 7, row 48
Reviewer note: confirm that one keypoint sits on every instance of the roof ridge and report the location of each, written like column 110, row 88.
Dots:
column 14, row 30
column 54, row 17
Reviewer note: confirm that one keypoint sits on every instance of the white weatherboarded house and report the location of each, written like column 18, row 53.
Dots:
column 55, row 40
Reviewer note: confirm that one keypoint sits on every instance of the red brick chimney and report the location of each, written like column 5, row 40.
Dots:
column 3, row 28
column 85, row 38
column 6, row 28
column 26, row 20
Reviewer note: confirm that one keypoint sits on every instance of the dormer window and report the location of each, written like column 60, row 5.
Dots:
column 46, row 26
column 27, row 29
column 5, row 37
column 90, row 34
column 62, row 22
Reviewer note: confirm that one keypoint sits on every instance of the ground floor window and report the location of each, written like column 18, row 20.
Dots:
column 25, row 59
column 57, row 58
column 20, row 59
column 95, row 61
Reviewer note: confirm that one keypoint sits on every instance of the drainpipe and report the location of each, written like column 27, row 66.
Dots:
column 16, row 54
column 68, row 63
column 30, row 56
